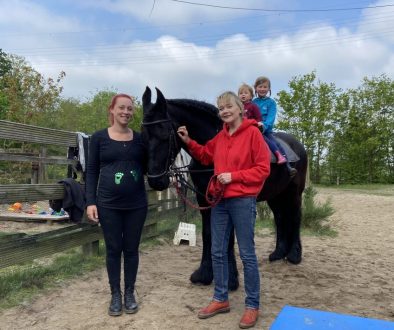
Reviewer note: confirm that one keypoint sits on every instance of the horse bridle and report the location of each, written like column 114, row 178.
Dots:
column 170, row 155
column 176, row 173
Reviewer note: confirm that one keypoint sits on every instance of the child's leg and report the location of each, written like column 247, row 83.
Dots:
column 274, row 147
column 279, row 152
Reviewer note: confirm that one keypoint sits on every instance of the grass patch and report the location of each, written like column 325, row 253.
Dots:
column 264, row 219
column 21, row 283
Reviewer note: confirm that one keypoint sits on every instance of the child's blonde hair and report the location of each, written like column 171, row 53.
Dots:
column 230, row 96
column 247, row 87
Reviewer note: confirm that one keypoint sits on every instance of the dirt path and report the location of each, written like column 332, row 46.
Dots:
column 352, row 274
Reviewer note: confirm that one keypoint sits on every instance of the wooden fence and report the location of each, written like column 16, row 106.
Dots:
column 19, row 248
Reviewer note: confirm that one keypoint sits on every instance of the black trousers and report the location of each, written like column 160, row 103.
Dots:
column 122, row 231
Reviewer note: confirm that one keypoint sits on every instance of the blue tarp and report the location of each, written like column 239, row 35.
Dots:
column 295, row 318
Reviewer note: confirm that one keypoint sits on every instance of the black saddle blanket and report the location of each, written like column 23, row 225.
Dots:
column 292, row 157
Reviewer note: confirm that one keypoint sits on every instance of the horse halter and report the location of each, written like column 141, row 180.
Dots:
column 176, row 173
column 170, row 154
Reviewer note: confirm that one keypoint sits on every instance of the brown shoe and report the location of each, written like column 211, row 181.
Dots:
column 215, row 307
column 249, row 319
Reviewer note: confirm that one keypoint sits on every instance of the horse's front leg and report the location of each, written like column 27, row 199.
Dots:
column 294, row 234
column 204, row 274
column 233, row 282
column 287, row 213
column 281, row 247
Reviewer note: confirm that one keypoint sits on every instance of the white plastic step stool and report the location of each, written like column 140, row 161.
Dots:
column 185, row 232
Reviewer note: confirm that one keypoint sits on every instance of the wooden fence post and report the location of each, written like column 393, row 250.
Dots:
column 34, row 172
column 41, row 166
column 91, row 249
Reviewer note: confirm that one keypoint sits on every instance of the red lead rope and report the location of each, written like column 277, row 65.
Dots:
column 212, row 199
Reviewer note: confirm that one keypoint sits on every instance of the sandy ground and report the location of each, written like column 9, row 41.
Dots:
column 351, row 274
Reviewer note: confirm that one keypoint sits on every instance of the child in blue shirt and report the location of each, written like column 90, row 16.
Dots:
column 267, row 107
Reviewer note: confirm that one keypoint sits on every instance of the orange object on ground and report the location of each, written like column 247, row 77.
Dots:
column 16, row 207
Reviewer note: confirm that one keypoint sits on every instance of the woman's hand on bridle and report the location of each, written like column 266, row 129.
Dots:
column 183, row 134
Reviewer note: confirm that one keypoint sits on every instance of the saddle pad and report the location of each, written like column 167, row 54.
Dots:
column 292, row 157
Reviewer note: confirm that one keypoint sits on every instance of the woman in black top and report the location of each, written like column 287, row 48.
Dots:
column 116, row 197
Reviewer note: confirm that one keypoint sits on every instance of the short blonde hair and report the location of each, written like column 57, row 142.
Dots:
column 228, row 97
column 247, row 87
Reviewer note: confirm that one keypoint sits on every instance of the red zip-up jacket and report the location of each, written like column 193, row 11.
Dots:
column 244, row 154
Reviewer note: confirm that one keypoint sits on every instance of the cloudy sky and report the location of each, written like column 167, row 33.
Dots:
column 198, row 49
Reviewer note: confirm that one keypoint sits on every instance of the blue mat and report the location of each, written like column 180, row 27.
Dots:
column 295, row 318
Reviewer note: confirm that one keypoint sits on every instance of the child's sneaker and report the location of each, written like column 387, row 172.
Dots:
column 280, row 159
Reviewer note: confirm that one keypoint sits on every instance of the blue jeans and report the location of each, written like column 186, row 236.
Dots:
column 240, row 214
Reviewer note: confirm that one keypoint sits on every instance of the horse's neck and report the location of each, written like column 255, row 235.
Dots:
column 202, row 126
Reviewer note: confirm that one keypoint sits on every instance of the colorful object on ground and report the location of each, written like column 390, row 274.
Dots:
column 60, row 213
column 16, row 207
column 295, row 318
column 34, row 209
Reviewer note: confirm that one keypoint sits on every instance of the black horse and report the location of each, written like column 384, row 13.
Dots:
column 282, row 193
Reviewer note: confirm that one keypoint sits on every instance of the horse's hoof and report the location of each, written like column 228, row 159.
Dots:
column 276, row 255
column 198, row 278
column 295, row 254
column 294, row 258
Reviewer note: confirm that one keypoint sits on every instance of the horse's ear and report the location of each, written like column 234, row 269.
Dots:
column 161, row 100
column 147, row 96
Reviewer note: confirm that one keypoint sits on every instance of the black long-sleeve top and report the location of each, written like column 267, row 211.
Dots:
column 115, row 169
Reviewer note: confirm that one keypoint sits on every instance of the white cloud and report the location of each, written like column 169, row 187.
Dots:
column 379, row 22
column 184, row 69
column 176, row 70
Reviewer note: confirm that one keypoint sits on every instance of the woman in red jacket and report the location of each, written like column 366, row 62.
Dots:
column 241, row 161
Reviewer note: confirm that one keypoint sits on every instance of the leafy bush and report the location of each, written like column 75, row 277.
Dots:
column 314, row 215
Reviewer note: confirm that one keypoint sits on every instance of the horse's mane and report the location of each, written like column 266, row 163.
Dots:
column 195, row 106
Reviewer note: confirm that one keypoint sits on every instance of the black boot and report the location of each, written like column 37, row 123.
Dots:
column 130, row 305
column 115, row 307
column 292, row 170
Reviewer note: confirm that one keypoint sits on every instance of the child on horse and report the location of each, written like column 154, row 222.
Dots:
column 251, row 110
column 267, row 107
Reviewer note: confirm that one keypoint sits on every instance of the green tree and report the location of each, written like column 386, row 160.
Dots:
column 5, row 68
column 336, row 156
column 91, row 115
column 31, row 98
column 308, row 112
column 362, row 148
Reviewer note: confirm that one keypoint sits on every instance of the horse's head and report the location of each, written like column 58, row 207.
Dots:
column 160, row 137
